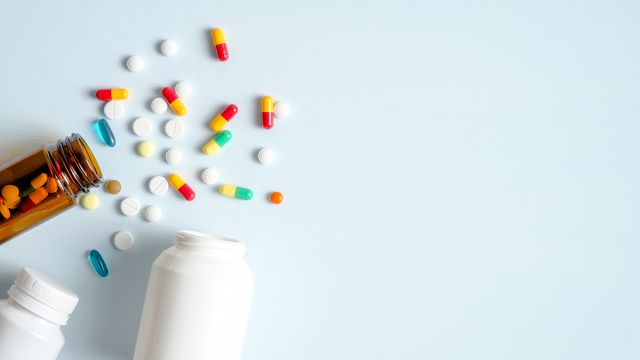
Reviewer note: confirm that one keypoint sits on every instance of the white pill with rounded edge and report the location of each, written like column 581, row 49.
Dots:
column 173, row 156
column 209, row 176
column 174, row 128
column 135, row 63
column 266, row 156
column 130, row 206
column 183, row 89
column 123, row 240
column 158, row 185
column 141, row 126
column 152, row 213
column 281, row 110
column 113, row 109
column 168, row 47
column 159, row 106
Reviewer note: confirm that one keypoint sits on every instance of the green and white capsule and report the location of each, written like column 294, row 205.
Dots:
column 236, row 192
column 218, row 141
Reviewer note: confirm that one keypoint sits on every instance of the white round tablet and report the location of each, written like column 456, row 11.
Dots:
column 183, row 89
column 173, row 156
column 281, row 110
column 135, row 63
column 168, row 47
column 158, row 185
column 113, row 109
column 123, row 240
column 266, row 156
column 174, row 128
column 209, row 176
column 152, row 213
column 159, row 106
column 141, row 126
column 130, row 206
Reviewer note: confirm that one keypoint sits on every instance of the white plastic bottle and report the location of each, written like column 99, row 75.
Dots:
column 31, row 318
column 197, row 302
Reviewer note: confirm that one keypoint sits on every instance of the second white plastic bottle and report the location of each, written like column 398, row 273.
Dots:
column 198, row 301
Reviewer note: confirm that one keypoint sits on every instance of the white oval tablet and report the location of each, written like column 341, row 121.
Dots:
column 159, row 106
column 135, row 63
column 173, row 156
column 123, row 240
column 209, row 176
column 141, row 126
column 168, row 47
column 130, row 206
column 158, row 185
column 174, row 128
column 152, row 213
column 281, row 110
column 113, row 109
column 266, row 156
column 183, row 89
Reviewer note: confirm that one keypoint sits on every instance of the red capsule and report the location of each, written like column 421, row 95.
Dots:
column 267, row 112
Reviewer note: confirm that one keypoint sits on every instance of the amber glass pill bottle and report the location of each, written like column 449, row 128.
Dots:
column 43, row 182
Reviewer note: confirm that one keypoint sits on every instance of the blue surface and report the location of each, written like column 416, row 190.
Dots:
column 461, row 177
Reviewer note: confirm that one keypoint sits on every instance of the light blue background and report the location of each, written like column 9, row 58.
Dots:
column 461, row 177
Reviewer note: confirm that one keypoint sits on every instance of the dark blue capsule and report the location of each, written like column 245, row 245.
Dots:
column 104, row 132
column 98, row 263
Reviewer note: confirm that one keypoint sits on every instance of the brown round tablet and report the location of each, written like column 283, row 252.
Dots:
column 113, row 186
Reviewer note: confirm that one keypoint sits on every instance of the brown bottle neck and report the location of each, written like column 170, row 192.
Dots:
column 74, row 166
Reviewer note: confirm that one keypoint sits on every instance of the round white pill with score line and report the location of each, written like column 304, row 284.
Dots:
column 141, row 126
column 130, row 206
column 123, row 240
column 159, row 106
column 174, row 128
column 113, row 109
column 158, row 185
column 152, row 213
column 183, row 89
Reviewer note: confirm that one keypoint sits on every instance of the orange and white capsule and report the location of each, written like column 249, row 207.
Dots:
column 112, row 94
column 267, row 112
column 174, row 101
column 220, row 43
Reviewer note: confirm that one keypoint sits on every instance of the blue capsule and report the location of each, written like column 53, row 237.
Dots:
column 98, row 263
column 104, row 132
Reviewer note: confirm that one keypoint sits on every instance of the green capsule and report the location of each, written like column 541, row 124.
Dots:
column 236, row 192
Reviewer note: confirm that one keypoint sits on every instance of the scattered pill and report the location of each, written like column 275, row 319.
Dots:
column 130, row 206
column 209, row 176
column 174, row 128
column 158, row 185
column 105, row 134
column 11, row 196
column 98, row 263
column 267, row 112
column 218, row 141
column 135, row 63
column 141, row 126
column 176, row 181
column 113, row 187
column 173, row 156
column 90, row 201
column 220, row 43
column 4, row 210
column 174, row 101
column 146, row 148
column 276, row 197
column 112, row 94
column 152, row 213
column 52, row 185
column 123, row 240
column 159, row 106
column 38, row 182
column 183, row 89
column 281, row 110
column 236, row 192
column 266, row 156
column 168, row 47
column 34, row 199
column 113, row 110
column 224, row 117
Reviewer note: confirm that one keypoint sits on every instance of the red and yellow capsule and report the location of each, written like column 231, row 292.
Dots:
column 176, row 181
column 174, row 101
column 267, row 112
column 34, row 199
column 112, row 94
column 224, row 117
column 220, row 43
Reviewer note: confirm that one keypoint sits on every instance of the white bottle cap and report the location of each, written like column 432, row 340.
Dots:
column 43, row 296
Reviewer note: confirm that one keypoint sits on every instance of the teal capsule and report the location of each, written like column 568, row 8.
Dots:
column 104, row 132
column 236, row 192
column 218, row 141
column 98, row 263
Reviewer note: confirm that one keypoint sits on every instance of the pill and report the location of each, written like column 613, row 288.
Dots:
column 173, row 156
column 158, row 185
column 52, row 185
column 174, row 128
column 113, row 110
column 218, row 141
column 90, row 201
column 4, row 210
column 276, row 197
column 135, row 63
column 266, row 156
column 159, row 106
column 34, row 199
column 220, row 43
column 152, row 213
column 267, row 112
column 168, row 47
column 176, row 181
column 104, row 132
column 236, row 192
column 38, row 182
column 224, row 117
column 281, row 110
column 123, row 240
column 175, row 103
column 141, row 126
column 11, row 196
column 112, row 94
column 97, row 261
column 129, row 206
column 145, row 148
column 183, row 89
column 209, row 176
column 113, row 187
